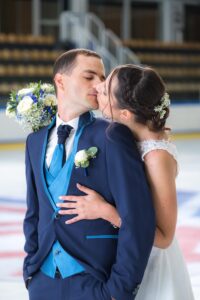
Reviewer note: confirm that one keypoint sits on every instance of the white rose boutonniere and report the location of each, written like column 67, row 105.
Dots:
column 82, row 157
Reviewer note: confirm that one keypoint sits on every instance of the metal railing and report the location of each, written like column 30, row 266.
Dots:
column 88, row 31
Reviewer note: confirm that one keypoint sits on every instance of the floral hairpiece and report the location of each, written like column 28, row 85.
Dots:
column 33, row 106
column 165, row 102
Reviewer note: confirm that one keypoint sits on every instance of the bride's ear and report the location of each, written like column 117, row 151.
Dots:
column 125, row 115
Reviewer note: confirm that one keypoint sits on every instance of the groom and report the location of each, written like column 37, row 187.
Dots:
column 90, row 259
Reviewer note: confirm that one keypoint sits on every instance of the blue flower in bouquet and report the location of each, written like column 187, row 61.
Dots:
column 34, row 106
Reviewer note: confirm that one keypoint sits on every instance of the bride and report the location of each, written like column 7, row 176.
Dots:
column 136, row 97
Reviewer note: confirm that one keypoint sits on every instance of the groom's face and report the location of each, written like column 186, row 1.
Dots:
column 79, row 84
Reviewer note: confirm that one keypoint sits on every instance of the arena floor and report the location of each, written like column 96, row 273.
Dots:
column 12, row 209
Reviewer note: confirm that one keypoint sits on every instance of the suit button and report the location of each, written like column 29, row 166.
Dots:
column 57, row 216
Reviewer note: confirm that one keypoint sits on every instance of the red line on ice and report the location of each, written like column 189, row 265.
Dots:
column 11, row 254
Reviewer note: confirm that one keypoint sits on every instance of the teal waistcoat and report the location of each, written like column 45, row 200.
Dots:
column 57, row 186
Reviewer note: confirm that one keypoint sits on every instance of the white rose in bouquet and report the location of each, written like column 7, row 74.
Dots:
column 50, row 100
column 24, row 105
column 25, row 91
column 33, row 107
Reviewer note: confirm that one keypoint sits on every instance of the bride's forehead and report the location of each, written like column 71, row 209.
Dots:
column 111, row 81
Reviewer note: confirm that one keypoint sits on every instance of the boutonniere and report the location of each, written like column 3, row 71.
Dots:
column 82, row 158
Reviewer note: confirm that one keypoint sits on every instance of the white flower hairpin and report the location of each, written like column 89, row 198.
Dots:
column 165, row 102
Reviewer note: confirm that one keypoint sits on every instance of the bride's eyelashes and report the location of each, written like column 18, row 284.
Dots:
column 104, row 90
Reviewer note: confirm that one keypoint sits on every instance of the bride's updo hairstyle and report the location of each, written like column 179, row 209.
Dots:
column 141, row 91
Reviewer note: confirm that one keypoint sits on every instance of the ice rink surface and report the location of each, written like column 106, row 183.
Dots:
column 12, row 209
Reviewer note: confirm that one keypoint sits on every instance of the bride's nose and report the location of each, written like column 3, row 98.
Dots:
column 98, row 87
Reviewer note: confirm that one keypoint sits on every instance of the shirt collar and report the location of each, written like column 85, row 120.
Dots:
column 73, row 122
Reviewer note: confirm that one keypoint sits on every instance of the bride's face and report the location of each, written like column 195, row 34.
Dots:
column 107, row 102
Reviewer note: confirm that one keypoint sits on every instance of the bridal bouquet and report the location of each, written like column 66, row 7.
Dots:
column 34, row 106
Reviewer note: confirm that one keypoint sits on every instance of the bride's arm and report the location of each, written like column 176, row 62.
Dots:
column 161, row 169
column 90, row 206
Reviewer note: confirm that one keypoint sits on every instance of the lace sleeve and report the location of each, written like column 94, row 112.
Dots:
column 150, row 145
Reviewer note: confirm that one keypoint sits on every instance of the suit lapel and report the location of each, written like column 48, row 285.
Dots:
column 85, row 120
column 43, row 161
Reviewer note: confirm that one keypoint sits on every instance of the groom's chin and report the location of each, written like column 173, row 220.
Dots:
column 95, row 106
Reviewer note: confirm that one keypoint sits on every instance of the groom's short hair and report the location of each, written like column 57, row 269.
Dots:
column 67, row 61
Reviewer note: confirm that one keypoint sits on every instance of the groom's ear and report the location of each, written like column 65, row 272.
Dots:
column 58, row 79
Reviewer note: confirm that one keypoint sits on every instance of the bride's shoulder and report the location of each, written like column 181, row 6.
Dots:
column 150, row 146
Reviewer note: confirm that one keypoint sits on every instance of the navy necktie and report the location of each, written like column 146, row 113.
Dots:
column 59, row 155
column 63, row 133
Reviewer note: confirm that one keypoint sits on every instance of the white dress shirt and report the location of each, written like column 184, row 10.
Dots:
column 53, row 138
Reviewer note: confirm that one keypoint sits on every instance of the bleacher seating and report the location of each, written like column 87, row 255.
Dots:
column 25, row 59
column 178, row 64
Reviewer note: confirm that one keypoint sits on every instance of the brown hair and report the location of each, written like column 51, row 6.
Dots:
column 140, row 90
column 67, row 61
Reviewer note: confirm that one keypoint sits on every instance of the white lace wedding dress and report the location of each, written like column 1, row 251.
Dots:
column 166, row 276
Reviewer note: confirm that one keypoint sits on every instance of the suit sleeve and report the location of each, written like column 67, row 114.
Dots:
column 133, row 201
column 31, row 216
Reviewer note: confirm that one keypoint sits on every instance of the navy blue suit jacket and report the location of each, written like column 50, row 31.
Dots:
column 117, row 173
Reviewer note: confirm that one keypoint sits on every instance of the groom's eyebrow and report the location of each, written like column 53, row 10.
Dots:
column 95, row 73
